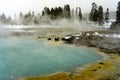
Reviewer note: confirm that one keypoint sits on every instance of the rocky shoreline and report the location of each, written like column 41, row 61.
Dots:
column 105, row 42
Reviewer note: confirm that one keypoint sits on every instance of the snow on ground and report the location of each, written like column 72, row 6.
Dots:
column 16, row 26
column 105, row 26
column 108, row 24
column 107, row 35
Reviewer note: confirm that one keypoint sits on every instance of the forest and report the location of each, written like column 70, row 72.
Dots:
column 96, row 15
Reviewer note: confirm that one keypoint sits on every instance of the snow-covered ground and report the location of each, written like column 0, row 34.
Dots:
column 105, row 26
column 108, row 24
column 107, row 35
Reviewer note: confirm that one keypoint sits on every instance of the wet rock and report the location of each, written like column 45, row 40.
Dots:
column 56, row 39
column 99, row 67
column 71, row 40
column 94, row 70
column 49, row 39
column 63, row 39
column 105, row 44
column 101, row 63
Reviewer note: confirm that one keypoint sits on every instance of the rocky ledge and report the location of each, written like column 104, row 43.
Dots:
column 106, row 41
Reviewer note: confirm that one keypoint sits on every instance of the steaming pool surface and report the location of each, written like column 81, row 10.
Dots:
column 24, row 57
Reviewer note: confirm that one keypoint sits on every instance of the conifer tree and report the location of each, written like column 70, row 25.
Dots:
column 80, row 14
column 72, row 13
column 47, row 11
column 52, row 13
column 100, row 15
column 3, row 18
column 43, row 13
column 67, row 12
column 60, row 12
column 107, row 15
column 118, row 13
column 93, row 13
column 76, row 13
column 9, row 20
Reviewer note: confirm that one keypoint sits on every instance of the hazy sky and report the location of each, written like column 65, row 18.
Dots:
column 15, row 6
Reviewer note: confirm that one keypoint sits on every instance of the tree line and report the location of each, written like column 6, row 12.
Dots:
column 46, row 16
column 96, row 15
column 58, row 13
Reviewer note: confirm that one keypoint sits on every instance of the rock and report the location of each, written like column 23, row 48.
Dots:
column 94, row 70
column 70, row 40
column 99, row 67
column 105, row 44
column 49, row 39
column 101, row 63
column 56, row 39
column 63, row 39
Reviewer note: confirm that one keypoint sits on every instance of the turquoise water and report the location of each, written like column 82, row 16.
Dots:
column 23, row 57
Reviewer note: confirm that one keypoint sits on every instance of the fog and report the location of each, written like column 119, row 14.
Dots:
column 47, row 24
column 64, row 23
column 59, row 27
column 76, row 24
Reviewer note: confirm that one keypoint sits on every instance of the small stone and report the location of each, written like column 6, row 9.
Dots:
column 49, row 39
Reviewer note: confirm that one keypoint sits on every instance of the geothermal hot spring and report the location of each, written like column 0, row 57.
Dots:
column 31, row 57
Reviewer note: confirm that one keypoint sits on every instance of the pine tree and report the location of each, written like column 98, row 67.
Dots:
column 3, row 18
column 76, row 13
column 21, row 18
column 80, row 14
column 9, row 20
column 43, row 13
column 91, row 16
column 60, row 12
column 100, row 15
column 72, row 13
column 38, row 16
column 67, row 12
column 36, row 21
column 107, row 15
column 56, row 12
column 118, row 13
column 46, row 11
column 52, row 13
column 93, row 13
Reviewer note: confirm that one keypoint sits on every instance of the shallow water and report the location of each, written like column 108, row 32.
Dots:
column 23, row 57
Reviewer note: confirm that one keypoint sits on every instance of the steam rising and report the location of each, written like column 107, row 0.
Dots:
column 51, row 27
column 75, row 24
